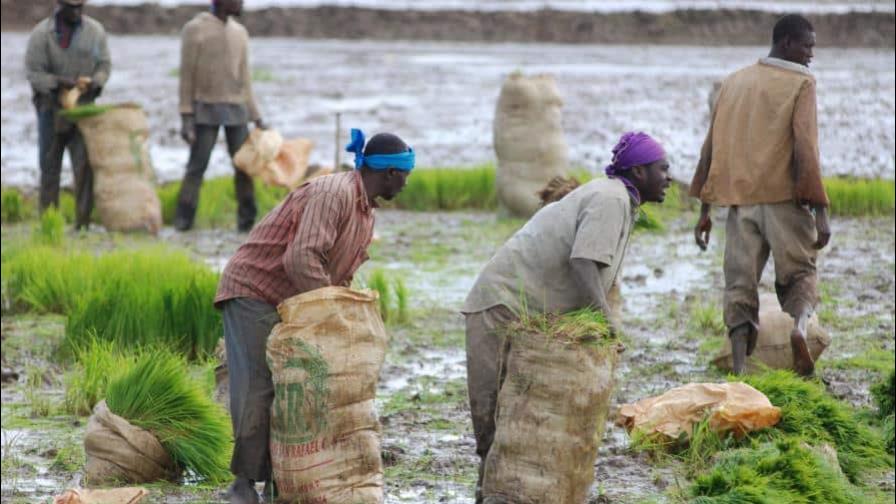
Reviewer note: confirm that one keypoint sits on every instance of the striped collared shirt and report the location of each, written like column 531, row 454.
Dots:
column 317, row 236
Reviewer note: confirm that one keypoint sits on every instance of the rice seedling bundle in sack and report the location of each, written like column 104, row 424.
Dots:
column 552, row 409
column 528, row 139
column 325, row 358
column 123, row 178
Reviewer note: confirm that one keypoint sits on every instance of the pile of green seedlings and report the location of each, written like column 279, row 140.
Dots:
column 584, row 326
column 822, row 450
column 885, row 397
column 392, row 296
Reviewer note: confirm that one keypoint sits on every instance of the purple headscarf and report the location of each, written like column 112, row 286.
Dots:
column 633, row 149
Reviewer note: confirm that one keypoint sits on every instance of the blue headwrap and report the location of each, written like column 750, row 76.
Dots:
column 401, row 161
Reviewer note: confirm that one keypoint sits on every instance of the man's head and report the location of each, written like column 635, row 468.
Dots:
column 640, row 163
column 70, row 10
column 385, row 162
column 793, row 39
column 227, row 7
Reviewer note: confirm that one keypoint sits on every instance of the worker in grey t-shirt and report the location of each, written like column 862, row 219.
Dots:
column 565, row 258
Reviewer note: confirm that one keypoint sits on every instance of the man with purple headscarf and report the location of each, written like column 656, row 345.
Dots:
column 565, row 258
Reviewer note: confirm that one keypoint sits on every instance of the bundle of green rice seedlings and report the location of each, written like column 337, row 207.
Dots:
column 856, row 197
column 432, row 189
column 377, row 281
column 810, row 414
column 583, row 326
column 84, row 111
column 96, row 361
column 158, row 394
column 45, row 279
column 647, row 221
column 217, row 201
column 785, row 471
column 50, row 230
column 402, row 297
column 884, row 394
column 13, row 206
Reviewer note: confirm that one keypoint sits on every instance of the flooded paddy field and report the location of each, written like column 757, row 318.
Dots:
column 441, row 98
column 672, row 299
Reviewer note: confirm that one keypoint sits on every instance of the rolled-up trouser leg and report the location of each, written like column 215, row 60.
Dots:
column 243, row 185
column 746, row 252
column 484, row 376
column 200, row 152
column 247, row 324
column 790, row 231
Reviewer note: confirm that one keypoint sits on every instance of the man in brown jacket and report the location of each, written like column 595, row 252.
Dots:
column 215, row 91
column 761, row 160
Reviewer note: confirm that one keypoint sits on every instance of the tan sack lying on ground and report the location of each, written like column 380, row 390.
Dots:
column 120, row 452
column 735, row 407
column 325, row 359
column 773, row 341
column 266, row 156
column 123, row 177
column 528, row 139
column 130, row 495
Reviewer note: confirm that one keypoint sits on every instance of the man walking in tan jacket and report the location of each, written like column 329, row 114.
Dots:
column 215, row 90
column 760, row 159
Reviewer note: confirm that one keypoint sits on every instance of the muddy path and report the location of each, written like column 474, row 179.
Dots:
column 672, row 294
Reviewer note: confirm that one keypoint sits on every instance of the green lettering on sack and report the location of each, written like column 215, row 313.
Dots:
column 300, row 408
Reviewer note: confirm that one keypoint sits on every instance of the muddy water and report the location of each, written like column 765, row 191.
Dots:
column 441, row 98
column 427, row 437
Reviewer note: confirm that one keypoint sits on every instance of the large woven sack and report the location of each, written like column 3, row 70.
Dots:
column 528, row 139
column 325, row 358
column 550, row 418
column 731, row 407
column 773, row 340
column 259, row 149
column 120, row 452
column 123, row 177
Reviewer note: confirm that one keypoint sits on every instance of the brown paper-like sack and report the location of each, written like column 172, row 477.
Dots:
column 773, row 339
column 118, row 451
column 130, row 495
column 528, row 140
column 325, row 358
column 733, row 407
column 123, row 177
column 550, row 418
column 265, row 155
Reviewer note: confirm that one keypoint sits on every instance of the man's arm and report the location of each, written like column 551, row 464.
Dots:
column 37, row 66
column 103, row 64
column 189, row 52
column 808, row 185
column 306, row 257
column 587, row 275
column 704, row 222
column 251, row 104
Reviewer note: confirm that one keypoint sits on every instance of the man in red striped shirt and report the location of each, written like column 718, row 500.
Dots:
column 317, row 237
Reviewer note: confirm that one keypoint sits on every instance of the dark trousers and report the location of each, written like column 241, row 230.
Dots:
column 200, row 151
column 247, row 324
column 53, row 140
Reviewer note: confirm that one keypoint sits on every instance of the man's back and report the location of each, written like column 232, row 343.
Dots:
column 753, row 137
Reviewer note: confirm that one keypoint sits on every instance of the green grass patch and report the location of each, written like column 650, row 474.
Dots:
column 217, row 201
column 393, row 296
column 851, row 196
column 432, row 189
column 883, row 393
column 96, row 361
column 872, row 359
column 13, row 206
column 785, row 471
column 134, row 298
column 159, row 395
column 50, row 229
column 585, row 326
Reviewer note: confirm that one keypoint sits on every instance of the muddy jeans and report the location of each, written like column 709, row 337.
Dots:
column 200, row 152
column 484, row 376
column 247, row 324
column 787, row 231
column 54, row 137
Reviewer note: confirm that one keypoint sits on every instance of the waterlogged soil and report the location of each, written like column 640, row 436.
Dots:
column 428, row 446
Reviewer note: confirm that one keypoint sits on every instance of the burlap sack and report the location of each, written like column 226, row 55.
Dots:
column 266, row 156
column 123, row 177
column 528, row 140
column 130, row 495
column 325, row 358
column 773, row 340
column 550, row 418
column 120, row 452
column 732, row 407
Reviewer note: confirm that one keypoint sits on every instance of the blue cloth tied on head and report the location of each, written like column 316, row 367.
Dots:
column 403, row 161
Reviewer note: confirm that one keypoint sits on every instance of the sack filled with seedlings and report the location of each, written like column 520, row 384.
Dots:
column 552, row 408
column 325, row 358
column 773, row 348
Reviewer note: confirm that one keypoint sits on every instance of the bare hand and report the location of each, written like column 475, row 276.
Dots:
column 66, row 82
column 703, row 227
column 188, row 129
column 822, row 228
